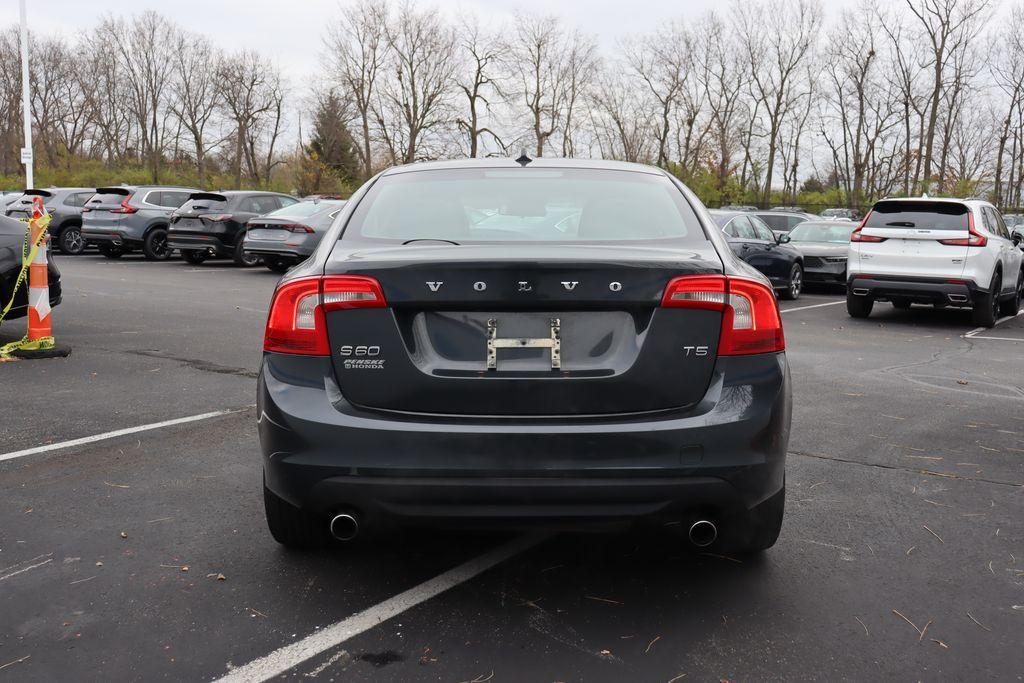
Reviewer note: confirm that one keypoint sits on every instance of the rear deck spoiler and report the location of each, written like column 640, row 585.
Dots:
column 212, row 196
column 38, row 193
column 114, row 190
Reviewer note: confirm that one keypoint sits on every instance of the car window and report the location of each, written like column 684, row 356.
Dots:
column 287, row 201
column 931, row 215
column 265, row 203
column 248, row 205
column 744, row 230
column 775, row 222
column 154, row 198
column 730, row 229
column 172, row 200
column 524, row 205
column 77, row 198
column 793, row 221
column 997, row 223
column 762, row 230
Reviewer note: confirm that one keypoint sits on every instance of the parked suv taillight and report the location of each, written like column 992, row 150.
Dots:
column 125, row 207
column 296, row 322
column 750, row 314
column 858, row 236
column 975, row 239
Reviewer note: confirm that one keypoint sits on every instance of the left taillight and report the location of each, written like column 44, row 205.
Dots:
column 296, row 322
column 125, row 206
column 750, row 313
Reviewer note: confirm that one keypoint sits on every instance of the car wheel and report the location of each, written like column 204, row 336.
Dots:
column 796, row 283
column 71, row 241
column 859, row 306
column 112, row 250
column 194, row 256
column 986, row 306
column 290, row 526
column 244, row 258
column 278, row 265
column 1012, row 306
column 154, row 247
column 760, row 528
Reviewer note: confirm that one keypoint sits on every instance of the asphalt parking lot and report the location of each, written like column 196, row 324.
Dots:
column 146, row 556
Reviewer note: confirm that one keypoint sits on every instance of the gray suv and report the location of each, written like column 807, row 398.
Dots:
column 121, row 219
column 64, row 204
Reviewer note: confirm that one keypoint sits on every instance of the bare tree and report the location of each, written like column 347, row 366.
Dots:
column 535, row 55
column 477, row 81
column 194, row 90
column 251, row 91
column 660, row 62
column 358, row 49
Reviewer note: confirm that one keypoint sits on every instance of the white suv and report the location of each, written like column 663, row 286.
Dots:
column 946, row 252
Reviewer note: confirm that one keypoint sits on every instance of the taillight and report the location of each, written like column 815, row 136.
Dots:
column 217, row 217
column 750, row 314
column 298, row 228
column 858, row 236
column 975, row 238
column 125, row 207
column 296, row 322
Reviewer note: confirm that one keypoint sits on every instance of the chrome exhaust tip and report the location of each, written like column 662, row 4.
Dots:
column 958, row 298
column 703, row 533
column 860, row 291
column 344, row 527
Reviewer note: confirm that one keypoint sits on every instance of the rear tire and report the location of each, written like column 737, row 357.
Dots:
column 193, row 256
column 859, row 306
column 112, row 250
column 243, row 259
column 1011, row 307
column 154, row 247
column 796, row 283
column 986, row 306
column 278, row 265
column 290, row 526
column 70, row 241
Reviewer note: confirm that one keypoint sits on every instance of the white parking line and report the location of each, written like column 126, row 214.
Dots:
column 804, row 308
column 973, row 334
column 283, row 659
column 117, row 433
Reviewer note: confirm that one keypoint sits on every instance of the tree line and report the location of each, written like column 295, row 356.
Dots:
column 764, row 101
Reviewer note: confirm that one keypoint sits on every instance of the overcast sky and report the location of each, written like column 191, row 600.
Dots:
column 290, row 31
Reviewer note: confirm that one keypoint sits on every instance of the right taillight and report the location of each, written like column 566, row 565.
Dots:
column 296, row 322
column 974, row 238
column 858, row 236
column 750, row 313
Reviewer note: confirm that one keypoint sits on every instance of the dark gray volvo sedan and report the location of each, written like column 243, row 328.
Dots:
column 512, row 343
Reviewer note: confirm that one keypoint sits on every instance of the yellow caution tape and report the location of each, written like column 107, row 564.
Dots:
column 28, row 255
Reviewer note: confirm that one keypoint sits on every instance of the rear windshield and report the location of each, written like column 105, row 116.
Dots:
column 822, row 232
column 918, row 214
column 780, row 222
column 524, row 205
column 108, row 198
column 304, row 209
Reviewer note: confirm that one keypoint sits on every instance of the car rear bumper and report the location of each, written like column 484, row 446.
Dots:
column 97, row 236
column 192, row 242
column 817, row 269
column 274, row 248
column 925, row 290
column 322, row 454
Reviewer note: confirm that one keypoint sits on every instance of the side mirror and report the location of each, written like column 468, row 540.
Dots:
column 783, row 239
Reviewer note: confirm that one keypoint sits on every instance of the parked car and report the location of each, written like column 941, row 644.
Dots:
column 121, row 219
column 64, row 204
column 623, row 366
column 783, row 221
column 842, row 214
column 12, row 240
column 212, row 224
column 788, row 209
column 824, row 245
column 738, row 207
column 945, row 252
column 754, row 242
column 290, row 234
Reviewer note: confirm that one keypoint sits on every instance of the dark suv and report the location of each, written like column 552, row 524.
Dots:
column 121, row 219
column 212, row 224
column 64, row 204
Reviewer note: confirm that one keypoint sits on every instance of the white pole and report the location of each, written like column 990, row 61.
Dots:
column 26, row 152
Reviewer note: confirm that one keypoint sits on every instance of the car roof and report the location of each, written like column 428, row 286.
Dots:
column 942, row 200
column 542, row 162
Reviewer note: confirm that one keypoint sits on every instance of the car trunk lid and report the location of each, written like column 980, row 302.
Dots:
column 508, row 330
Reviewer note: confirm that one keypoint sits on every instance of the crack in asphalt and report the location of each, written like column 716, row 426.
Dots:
column 196, row 363
column 912, row 470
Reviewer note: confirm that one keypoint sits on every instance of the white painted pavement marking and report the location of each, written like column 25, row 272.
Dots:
column 973, row 334
column 281, row 660
column 118, row 432
column 804, row 308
